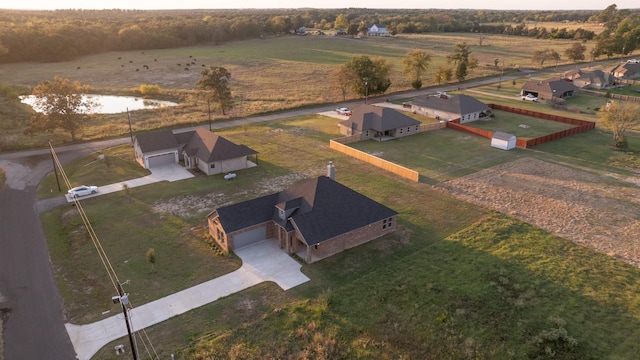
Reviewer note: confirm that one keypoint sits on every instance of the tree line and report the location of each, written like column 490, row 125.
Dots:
column 49, row 36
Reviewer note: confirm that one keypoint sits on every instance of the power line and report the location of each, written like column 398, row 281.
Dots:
column 122, row 297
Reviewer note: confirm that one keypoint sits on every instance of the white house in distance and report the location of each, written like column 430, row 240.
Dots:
column 450, row 107
column 378, row 30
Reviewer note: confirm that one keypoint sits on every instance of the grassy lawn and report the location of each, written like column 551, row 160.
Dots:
column 440, row 155
column 3, row 178
column 455, row 280
column 118, row 165
column 523, row 127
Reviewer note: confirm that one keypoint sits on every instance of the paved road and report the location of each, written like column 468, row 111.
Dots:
column 34, row 328
column 34, row 324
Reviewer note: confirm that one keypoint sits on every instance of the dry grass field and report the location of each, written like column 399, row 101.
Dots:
column 597, row 209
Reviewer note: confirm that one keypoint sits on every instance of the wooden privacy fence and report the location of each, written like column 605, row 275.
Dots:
column 375, row 161
column 612, row 95
column 580, row 126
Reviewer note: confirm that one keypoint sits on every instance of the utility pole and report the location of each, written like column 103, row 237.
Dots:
column 366, row 90
column 130, row 129
column 209, row 108
column 124, row 300
column 55, row 167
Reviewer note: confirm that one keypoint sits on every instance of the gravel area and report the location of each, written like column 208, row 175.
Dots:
column 595, row 209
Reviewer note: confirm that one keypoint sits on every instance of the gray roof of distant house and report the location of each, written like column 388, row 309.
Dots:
column 325, row 209
column 370, row 117
column 156, row 140
column 455, row 104
column 211, row 147
column 559, row 85
column 199, row 142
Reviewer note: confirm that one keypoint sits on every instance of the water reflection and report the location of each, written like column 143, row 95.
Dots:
column 112, row 104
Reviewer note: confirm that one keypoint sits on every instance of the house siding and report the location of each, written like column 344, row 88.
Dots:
column 349, row 240
column 223, row 166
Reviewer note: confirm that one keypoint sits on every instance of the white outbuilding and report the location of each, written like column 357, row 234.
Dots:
column 503, row 140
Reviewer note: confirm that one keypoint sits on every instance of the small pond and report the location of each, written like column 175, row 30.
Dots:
column 112, row 104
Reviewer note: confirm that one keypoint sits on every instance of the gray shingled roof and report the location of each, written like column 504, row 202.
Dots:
column 559, row 85
column 456, row 104
column 156, row 140
column 326, row 209
column 369, row 117
column 211, row 147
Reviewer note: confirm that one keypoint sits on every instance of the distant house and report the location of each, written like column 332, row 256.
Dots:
column 198, row 149
column 445, row 107
column 596, row 79
column 549, row 89
column 375, row 122
column 626, row 70
column 314, row 219
column 377, row 30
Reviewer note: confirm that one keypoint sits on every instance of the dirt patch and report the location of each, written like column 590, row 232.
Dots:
column 200, row 205
column 598, row 210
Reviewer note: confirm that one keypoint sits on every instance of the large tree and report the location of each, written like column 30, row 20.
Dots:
column 342, row 78
column 415, row 64
column 620, row 117
column 215, row 81
column 61, row 105
column 462, row 59
column 371, row 75
column 443, row 75
column 576, row 52
column 341, row 23
column 540, row 56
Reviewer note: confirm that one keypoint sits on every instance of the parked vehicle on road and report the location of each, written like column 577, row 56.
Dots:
column 530, row 97
column 343, row 111
column 82, row 190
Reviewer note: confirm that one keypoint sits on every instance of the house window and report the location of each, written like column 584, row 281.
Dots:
column 400, row 130
column 213, row 166
column 366, row 133
column 417, row 127
column 315, row 246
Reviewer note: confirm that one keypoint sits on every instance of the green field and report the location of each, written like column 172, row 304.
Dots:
column 267, row 75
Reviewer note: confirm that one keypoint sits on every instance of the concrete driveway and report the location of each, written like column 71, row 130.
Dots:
column 263, row 261
column 170, row 172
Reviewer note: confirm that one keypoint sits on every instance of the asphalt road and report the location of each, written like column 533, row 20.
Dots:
column 33, row 312
column 30, row 303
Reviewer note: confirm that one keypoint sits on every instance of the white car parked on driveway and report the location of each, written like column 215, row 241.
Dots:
column 343, row 111
column 530, row 97
column 82, row 190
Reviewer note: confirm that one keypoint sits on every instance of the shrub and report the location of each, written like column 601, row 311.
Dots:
column 147, row 89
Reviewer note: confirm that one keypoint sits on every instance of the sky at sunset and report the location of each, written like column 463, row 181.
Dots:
column 334, row 4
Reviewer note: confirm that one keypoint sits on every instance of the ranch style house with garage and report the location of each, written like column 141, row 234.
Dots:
column 198, row 149
column 314, row 219
column 549, row 89
column 380, row 123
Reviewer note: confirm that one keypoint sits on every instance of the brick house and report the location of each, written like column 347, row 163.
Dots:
column 315, row 219
column 379, row 123
column 549, row 89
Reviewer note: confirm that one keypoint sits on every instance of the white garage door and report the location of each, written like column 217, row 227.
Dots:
column 162, row 159
column 249, row 237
